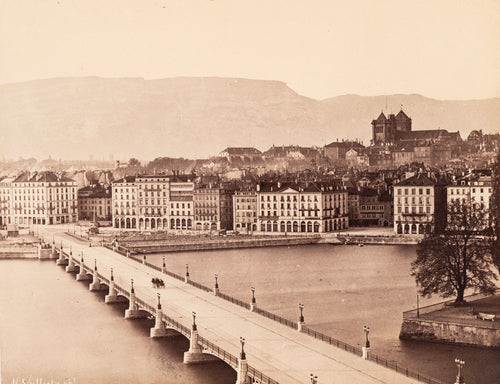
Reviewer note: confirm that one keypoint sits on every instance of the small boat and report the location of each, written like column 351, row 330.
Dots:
column 360, row 244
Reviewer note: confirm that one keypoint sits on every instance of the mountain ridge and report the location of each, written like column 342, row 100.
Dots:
column 74, row 117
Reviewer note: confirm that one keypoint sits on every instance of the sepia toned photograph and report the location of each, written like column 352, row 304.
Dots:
column 236, row 191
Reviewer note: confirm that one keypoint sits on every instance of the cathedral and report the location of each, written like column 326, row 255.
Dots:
column 388, row 130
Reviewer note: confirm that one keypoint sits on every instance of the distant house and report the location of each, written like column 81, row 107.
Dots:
column 291, row 152
column 240, row 153
column 338, row 149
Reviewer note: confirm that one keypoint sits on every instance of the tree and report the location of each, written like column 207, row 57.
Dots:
column 133, row 162
column 459, row 258
column 495, row 213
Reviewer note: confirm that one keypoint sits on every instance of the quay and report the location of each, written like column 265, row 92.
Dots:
column 476, row 323
column 259, row 349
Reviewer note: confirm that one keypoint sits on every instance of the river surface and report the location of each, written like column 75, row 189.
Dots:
column 52, row 327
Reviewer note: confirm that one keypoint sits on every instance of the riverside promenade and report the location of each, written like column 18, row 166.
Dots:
column 277, row 353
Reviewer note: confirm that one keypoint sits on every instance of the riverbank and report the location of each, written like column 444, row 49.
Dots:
column 476, row 323
column 204, row 244
column 22, row 247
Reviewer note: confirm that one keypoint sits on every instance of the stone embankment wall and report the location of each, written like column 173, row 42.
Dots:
column 19, row 252
column 368, row 239
column 447, row 332
column 224, row 244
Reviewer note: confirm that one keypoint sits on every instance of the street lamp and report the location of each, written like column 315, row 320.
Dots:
column 367, row 331
column 194, row 321
column 301, row 318
column 216, row 283
column 253, row 294
column 131, row 285
column 112, row 278
column 242, row 354
column 187, row 270
column 159, row 304
column 164, row 265
column 95, row 265
column 460, row 364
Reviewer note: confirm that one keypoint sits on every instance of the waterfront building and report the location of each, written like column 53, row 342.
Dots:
column 124, row 203
column 213, row 207
column 6, row 198
column 415, row 205
column 38, row 198
column 153, row 200
column 181, row 202
column 94, row 203
column 475, row 189
column 245, row 211
column 369, row 208
column 295, row 208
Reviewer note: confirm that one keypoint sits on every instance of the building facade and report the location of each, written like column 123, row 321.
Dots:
column 307, row 209
column 44, row 198
column 415, row 205
column 213, row 207
column 245, row 211
column 94, row 203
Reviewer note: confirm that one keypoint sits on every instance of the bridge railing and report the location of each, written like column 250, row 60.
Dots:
column 219, row 352
column 233, row 300
column 332, row 341
column 279, row 319
column 259, row 377
column 403, row 370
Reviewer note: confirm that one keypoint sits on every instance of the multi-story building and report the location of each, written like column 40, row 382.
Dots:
column 153, row 201
column 245, row 211
column 124, row 203
column 94, row 203
column 294, row 208
column 212, row 207
column 368, row 208
column 181, row 203
column 38, row 198
column 6, row 199
column 418, row 205
column 475, row 189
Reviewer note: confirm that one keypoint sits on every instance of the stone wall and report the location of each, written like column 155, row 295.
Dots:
column 446, row 332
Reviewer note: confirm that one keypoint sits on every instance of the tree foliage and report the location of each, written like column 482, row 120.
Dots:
column 133, row 162
column 495, row 213
column 459, row 258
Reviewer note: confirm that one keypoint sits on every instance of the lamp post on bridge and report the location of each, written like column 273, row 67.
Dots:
column 159, row 304
column 253, row 303
column 460, row 364
column 164, row 266
column 186, row 277
column 367, row 348
column 300, row 323
column 216, row 287
column 132, row 286
column 194, row 321
column 242, row 354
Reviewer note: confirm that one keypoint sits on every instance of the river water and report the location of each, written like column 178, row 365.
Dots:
column 52, row 327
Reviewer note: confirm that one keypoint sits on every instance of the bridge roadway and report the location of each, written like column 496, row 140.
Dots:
column 279, row 352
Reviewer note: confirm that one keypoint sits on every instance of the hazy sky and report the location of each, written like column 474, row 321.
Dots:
column 445, row 49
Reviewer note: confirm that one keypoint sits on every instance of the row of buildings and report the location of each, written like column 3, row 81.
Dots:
column 415, row 203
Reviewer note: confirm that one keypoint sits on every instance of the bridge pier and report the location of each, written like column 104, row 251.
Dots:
column 82, row 275
column 71, row 267
column 61, row 259
column 132, row 312
column 96, row 284
column 112, row 297
column 159, row 329
column 195, row 355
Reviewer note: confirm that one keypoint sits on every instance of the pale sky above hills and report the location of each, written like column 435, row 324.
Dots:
column 446, row 49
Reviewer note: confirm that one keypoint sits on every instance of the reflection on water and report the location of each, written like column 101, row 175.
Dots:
column 51, row 326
